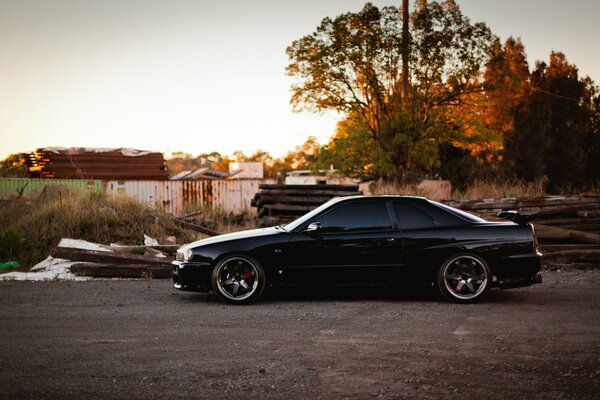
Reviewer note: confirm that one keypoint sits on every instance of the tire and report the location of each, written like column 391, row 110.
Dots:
column 464, row 278
column 238, row 279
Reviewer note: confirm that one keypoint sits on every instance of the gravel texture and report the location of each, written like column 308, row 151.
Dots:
column 142, row 339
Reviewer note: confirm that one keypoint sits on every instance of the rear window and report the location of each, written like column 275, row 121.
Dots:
column 456, row 213
column 410, row 217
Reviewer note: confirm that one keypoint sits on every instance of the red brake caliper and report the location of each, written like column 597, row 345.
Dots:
column 248, row 274
column 459, row 286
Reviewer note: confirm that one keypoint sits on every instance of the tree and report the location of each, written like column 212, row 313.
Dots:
column 12, row 167
column 181, row 161
column 352, row 151
column 568, row 99
column 592, row 141
column 352, row 64
column 303, row 156
column 554, row 126
column 507, row 80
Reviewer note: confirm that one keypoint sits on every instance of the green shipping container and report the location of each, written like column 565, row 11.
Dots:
column 12, row 186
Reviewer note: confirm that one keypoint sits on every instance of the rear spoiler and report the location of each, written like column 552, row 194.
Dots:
column 520, row 217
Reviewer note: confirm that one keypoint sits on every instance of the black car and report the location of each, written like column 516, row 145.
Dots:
column 367, row 240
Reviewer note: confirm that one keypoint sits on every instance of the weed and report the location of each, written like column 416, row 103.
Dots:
column 30, row 227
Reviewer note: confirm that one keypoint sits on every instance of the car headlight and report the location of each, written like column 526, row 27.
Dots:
column 183, row 255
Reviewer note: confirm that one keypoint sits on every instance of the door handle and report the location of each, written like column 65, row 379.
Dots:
column 388, row 240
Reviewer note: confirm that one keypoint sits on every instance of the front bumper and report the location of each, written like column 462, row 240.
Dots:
column 191, row 276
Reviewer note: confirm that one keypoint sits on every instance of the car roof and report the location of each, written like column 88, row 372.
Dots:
column 379, row 196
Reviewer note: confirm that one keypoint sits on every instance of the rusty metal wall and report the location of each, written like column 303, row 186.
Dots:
column 181, row 196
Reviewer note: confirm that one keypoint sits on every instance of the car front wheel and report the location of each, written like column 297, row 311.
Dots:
column 464, row 278
column 238, row 279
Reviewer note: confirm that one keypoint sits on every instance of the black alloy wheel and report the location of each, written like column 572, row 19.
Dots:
column 464, row 278
column 238, row 279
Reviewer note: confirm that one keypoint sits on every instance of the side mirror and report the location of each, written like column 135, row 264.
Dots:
column 312, row 227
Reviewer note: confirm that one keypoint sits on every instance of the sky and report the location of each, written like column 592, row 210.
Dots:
column 200, row 76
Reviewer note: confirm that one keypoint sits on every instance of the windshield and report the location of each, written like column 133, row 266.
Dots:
column 459, row 213
column 306, row 217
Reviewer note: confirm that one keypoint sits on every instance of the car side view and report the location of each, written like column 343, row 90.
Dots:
column 367, row 241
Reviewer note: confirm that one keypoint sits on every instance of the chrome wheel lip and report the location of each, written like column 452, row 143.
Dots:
column 221, row 283
column 465, row 278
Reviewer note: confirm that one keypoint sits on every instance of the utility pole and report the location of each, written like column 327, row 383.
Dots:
column 405, row 50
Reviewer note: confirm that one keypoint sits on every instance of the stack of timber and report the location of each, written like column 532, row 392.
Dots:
column 277, row 204
column 99, row 261
column 91, row 163
column 568, row 227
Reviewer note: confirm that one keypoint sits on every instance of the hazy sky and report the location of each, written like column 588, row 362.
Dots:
column 199, row 76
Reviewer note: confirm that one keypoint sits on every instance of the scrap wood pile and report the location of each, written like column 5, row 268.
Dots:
column 190, row 221
column 276, row 204
column 568, row 227
column 90, row 163
column 115, row 261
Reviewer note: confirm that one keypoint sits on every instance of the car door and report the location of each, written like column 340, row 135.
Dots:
column 356, row 243
column 420, row 235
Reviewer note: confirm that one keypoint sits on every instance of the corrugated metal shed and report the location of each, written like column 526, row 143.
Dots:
column 178, row 196
column 12, row 186
column 174, row 196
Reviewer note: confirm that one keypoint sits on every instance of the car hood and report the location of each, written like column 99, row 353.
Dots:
column 253, row 233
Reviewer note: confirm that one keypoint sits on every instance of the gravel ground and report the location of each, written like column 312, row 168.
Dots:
column 143, row 339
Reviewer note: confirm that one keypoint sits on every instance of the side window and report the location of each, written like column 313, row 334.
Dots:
column 357, row 216
column 411, row 218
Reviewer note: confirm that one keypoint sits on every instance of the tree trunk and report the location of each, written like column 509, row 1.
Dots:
column 405, row 50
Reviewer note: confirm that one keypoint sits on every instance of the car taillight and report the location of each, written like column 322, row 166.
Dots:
column 535, row 240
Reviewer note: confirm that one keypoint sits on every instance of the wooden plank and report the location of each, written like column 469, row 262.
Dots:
column 522, row 203
column 568, row 221
column 299, row 199
column 165, row 248
column 281, row 213
column 288, row 207
column 196, row 227
column 309, row 187
column 588, row 214
column 574, row 255
column 299, row 192
column 106, row 257
column 552, row 232
column 122, row 271
column 553, row 248
column 275, row 220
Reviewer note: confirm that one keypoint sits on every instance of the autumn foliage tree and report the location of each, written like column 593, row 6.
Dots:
column 12, row 167
column 471, row 108
column 352, row 64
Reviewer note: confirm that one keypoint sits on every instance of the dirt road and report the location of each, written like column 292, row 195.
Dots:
column 142, row 339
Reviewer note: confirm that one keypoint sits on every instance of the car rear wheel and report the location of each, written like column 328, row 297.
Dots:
column 464, row 278
column 238, row 279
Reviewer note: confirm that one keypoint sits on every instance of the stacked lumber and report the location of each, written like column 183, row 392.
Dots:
column 89, row 163
column 568, row 227
column 277, row 204
column 100, row 261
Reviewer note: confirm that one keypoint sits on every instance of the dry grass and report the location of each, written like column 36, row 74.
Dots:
column 475, row 191
column 500, row 189
column 30, row 227
column 383, row 188
column 224, row 221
